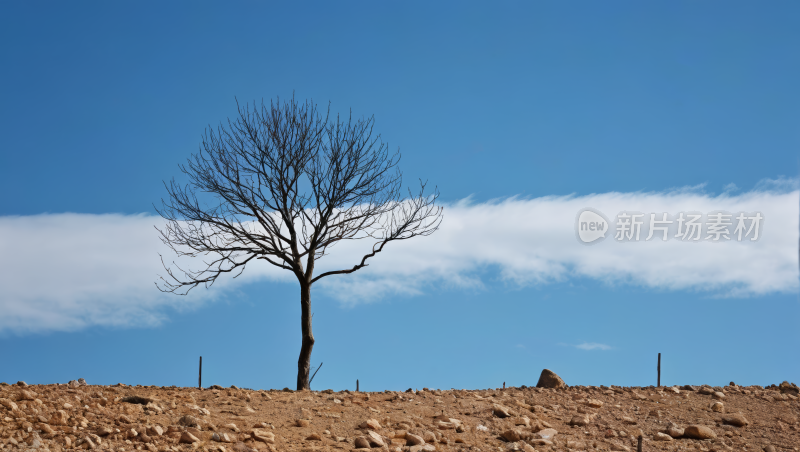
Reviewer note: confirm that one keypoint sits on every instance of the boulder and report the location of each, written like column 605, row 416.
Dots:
column 361, row 443
column 549, row 379
column 718, row 407
column 699, row 432
column 302, row 422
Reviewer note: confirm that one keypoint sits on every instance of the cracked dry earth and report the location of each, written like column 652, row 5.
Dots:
column 123, row 418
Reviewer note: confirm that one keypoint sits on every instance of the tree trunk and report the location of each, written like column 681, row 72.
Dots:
column 304, row 362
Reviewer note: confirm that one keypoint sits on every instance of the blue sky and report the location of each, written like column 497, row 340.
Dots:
column 627, row 105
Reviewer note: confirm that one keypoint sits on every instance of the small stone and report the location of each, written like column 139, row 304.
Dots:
column 501, row 411
column 155, row 430
column 188, row 438
column 188, row 421
column 628, row 420
column 699, row 432
column 264, row 436
column 371, row 424
column 73, row 384
column 718, row 407
column 594, row 403
column 26, row 395
column 81, row 381
column 661, row 437
column 579, row 421
column 361, row 443
column 549, row 379
column 512, row 435
column 737, row 420
column 546, row 434
column 375, row 440
column 674, row 431
column 413, row 440
column 231, row 427
column 719, row 395
column 302, row 422
column 60, row 417
column 104, row 431
column 22, row 383
column 314, row 437
column 770, row 448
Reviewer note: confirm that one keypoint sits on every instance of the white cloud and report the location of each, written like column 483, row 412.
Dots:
column 593, row 346
column 70, row 271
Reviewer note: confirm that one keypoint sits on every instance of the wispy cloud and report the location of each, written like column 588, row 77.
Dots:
column 71, row 271
column 593, row 346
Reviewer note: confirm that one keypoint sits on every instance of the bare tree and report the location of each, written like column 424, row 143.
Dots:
column 287, row 185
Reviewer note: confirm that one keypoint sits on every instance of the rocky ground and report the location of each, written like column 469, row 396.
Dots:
column 578, row 418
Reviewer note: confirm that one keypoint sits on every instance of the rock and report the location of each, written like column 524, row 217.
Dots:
column 414, row 440
column 302, row 422
column 188, row 438
column 375, row 440
column 699, row 432
column 737, row 420
column 719, row 395
column 241, row 447
column 45, row 428
column 523, row 420
column 513, row 435
column 661, row 437
column 22, row 383
column 361, row 443
column 619, row 447
column 549, row 379
column 501, row 411
column 155, row 430
column 188, row 421
column 314, row 437
column 706, row 390
column 11, row 406
column 60, row 417
column 594, row 403
column 429, row 436
column 264, row 436
column 73, row 384
column 628, row 420
column 231, row 427
column 770, row 448
column 579, row 421
column 547, row 433
column 718, row 407
column 81, row 382
column 145, row 438
column 104, row 431
column 371, row 424
column 674, row 431
column 26, row 395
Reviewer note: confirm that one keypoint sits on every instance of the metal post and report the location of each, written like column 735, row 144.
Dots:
column 356, row 385
column 659, row 370
column 200, row 375
column 639, row 445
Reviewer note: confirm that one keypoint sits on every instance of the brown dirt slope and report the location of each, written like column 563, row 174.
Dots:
column 123, row 418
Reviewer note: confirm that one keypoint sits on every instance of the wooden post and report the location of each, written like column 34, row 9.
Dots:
column 200, row 375
column 639, row 444
column 659, row 370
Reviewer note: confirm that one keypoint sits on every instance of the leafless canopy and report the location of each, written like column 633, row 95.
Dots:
column 287, row 185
